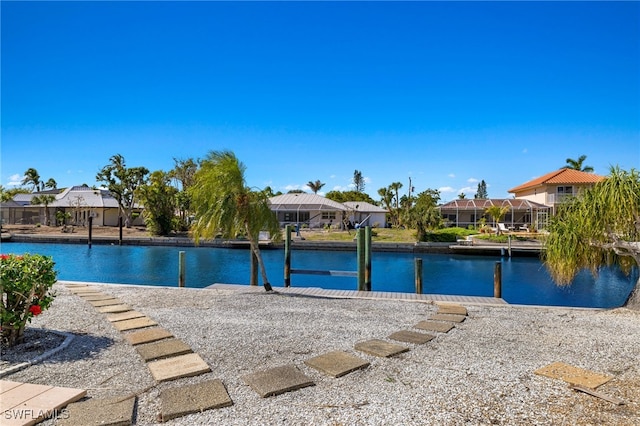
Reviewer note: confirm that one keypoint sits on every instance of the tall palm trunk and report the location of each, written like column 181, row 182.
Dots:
column 633, row 301
column 253, row 244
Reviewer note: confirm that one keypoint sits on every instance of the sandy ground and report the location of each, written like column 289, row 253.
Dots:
column 480, row 373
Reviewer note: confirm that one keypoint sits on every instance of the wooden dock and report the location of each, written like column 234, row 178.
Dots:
column 354, row 294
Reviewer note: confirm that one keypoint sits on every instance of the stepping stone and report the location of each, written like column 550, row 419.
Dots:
column 121, row 316
column 448, row 317
column 573, row 375
column 107, row 302
column 409, row 336
column 277, row 380
column 163, row 349
column 95, row 297
column 147, row 336
column 85, row 290
column 380, row 348
column 196, row 398
column 452, row 309
column 337, row 363
column 108, row 411
column 132, row 324
column 113, row 309
column 440, row 327
column 177, row 367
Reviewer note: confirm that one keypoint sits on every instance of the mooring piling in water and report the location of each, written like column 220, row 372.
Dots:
column 181, row 269
column 497, row 280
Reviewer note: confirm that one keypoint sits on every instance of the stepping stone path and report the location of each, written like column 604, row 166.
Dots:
column 178, row 367
column 380, row 348
column 124, row 316
column 148, row 336
column 114, row 309
column 430, row 325
column 107, row 411
column 277, row 380
column 337, row 364
column 168, row 358
column 177, row 402
column 448, row 317
column 163, row 349
column 409, row 336
column 132, row 324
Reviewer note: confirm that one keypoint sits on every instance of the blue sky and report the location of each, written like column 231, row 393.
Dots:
column 444, row 93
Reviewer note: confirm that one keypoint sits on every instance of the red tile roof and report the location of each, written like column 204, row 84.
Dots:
column 559, row 177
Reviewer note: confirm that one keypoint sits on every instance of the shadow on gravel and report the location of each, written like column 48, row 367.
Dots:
column 39, row 341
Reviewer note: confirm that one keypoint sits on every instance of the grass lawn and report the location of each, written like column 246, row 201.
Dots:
column 379, row 235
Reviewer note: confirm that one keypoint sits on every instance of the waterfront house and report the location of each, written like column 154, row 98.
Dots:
column 522, row 214
column 554, row 188
column 80, row 202
column 309, row 210
column 533, row 203
column 366, row 214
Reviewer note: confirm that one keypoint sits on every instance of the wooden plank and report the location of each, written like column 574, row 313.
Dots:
column 7, row 385
column 19, row 394
column 597, row 394
column 573, row 375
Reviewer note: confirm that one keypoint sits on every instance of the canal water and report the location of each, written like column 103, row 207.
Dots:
column 524, row 279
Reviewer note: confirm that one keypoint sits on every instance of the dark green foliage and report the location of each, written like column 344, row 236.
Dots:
column 159, row 198
column 482, row 193
column 344, row 196
column 446, row 235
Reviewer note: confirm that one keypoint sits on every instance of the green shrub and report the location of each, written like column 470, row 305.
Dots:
column 25, row 283
column 447, row 235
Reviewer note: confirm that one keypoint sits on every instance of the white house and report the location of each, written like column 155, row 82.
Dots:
column 316, row 211
column 366, row 214
column 80, row 202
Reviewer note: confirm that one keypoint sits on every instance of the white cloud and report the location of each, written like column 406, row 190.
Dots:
column 15, row 180
column 295, row 187
column 473, row 180
column 451, row 175
column 468, row 190
column 446, row 189
column 341, row 188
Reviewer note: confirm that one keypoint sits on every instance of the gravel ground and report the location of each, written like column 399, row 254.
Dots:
column 480, row 373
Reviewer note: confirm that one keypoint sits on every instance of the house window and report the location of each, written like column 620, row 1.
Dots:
column 296, row 216
column 565, row 190
column 328, row 215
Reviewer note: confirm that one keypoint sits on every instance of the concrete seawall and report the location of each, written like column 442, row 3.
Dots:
column 446, row 248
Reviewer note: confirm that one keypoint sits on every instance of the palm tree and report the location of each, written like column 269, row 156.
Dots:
column 45, row 200
column 497, row 213
column 578, row 164
column 51, row 184
column 394, row 188
column 315, row 186
column 386, row 197
column 32, row 177
column 224, row 204
column 598, row 227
